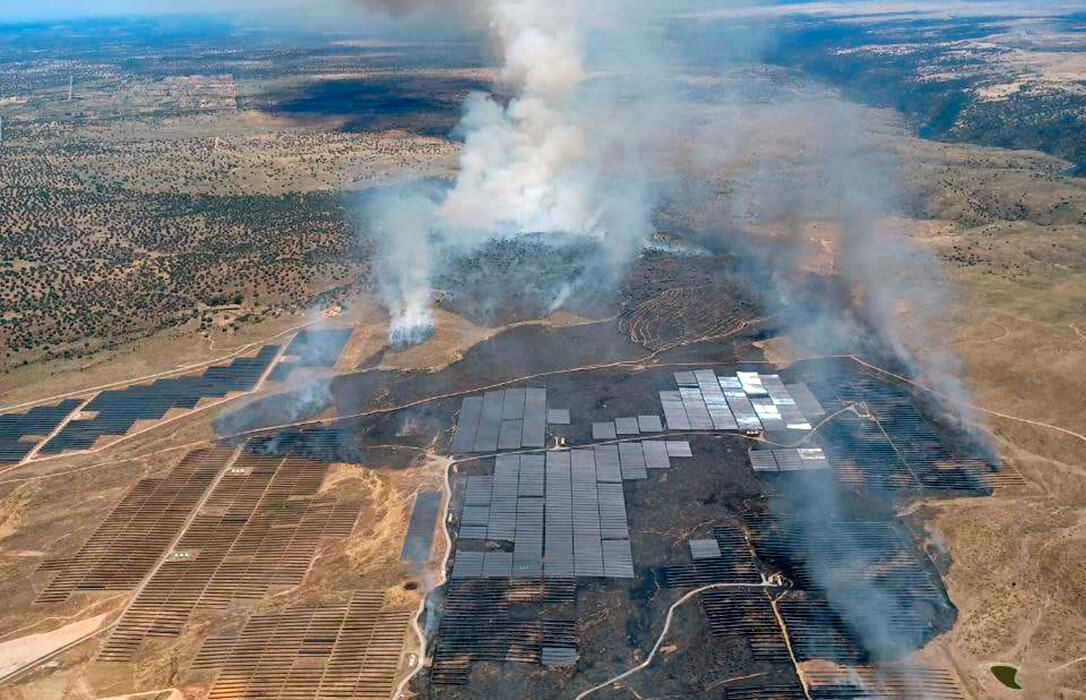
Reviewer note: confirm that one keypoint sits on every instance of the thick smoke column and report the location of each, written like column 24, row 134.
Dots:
column 534, row 165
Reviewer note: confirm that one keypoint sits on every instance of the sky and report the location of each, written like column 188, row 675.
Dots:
column 64, row 9
column 22, row 10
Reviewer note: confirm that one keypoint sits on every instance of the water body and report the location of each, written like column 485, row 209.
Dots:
column 1007, row 675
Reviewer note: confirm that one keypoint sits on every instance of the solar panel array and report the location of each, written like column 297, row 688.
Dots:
column 419, row 538
column 747, row 401
column 563, row 515
column 873, row 549
column 704, row 549
column 312, row 348
column 787, row 406
column 746, row 614
column 21, row 432
column 896, row 682
column 504, row 620
column 558, row 416
column 329, row 651
column 788, row 460
column 818, row 632
column 333, row 444
column 605, row 430
column 768, row 691
column 257, row 532
column 733, row 563
column 715, row 402
column 893, row 446
column 886, row 581
column 136, row 533
column 631, row 456
column 115, row 412
column 650, row 424
column 501, row 420
column 805, row 400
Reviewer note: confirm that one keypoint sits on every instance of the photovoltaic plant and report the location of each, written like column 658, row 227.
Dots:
column 135, row 534
column 526, row 621
column 257, row 533
column 115, row 412
column 327, row 651
column 748, row 402
column 311, row 348
column 420, row 529
column 885, row 443
column 561, row 514
column 21, row 432
column 506, row 419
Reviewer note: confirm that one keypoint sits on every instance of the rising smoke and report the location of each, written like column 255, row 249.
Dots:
column 563, row 157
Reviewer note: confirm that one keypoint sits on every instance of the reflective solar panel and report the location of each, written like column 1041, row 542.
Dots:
column 656, row 456
column 535, row 418
column 604, row 431
column 558, row 416
column 650, row 424
column 679, row 448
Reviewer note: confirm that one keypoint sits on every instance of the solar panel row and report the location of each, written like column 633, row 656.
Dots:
column 478, row 624
column 503, row 498
column 715, row 402
column 260, row 528
column 605, row 430
column 632, row 459
column 115, row 412
column 558, row 513
column 330, row 651
column 587, row 543
column 21, row 432
column 420, row 529
column 745, row 402
column 608, row 466
column 535, row 418
column 558, row 516
column 501, row 420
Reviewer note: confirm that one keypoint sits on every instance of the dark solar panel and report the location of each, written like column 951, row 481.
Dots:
column 420, row 530
column 18, row 430
column 323, row 444
column 318, row 348
column 117, row 411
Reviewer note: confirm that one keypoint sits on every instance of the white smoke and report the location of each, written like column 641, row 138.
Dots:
column 543, row 163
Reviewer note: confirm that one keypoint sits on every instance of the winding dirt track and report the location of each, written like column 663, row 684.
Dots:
column 663, row 633
column 420, row 634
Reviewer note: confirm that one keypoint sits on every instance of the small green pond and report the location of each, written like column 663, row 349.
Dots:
column 1006, row 675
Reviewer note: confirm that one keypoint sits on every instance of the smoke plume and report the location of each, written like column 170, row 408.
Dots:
column 560, row 158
